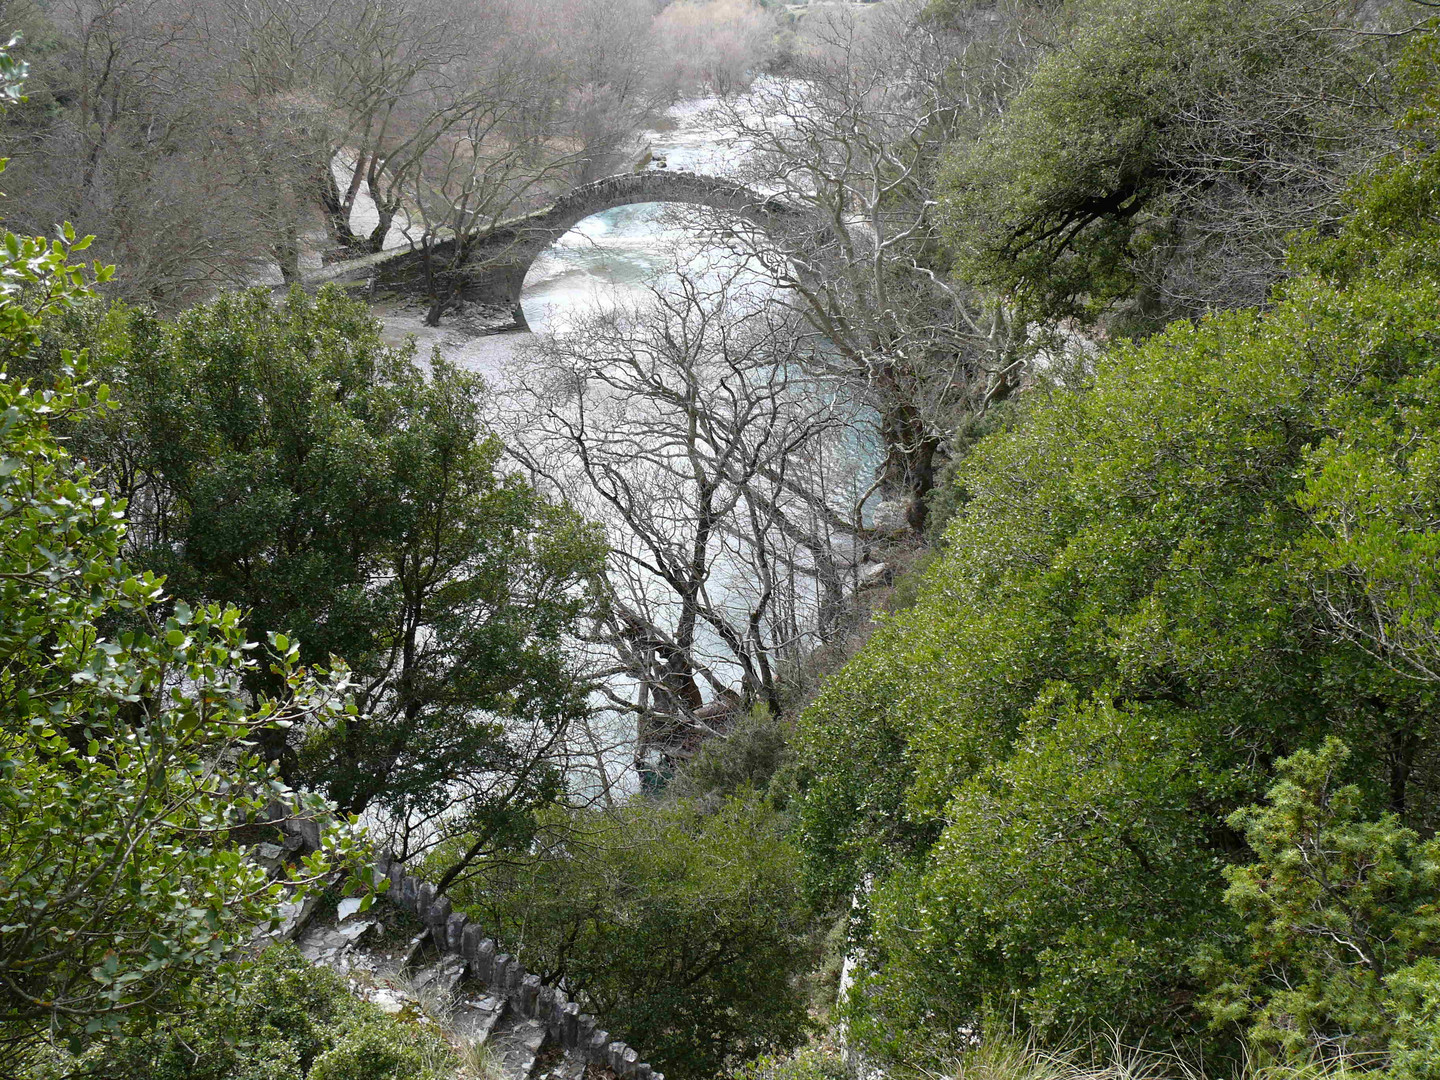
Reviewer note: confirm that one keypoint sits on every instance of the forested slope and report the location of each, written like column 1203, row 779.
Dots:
column 1182, row 562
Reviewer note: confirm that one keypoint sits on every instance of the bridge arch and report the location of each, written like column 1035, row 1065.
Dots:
column 491, row 268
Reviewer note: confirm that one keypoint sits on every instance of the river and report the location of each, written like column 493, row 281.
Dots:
column 617, row 257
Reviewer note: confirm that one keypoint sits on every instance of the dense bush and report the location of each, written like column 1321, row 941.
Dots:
column 807, row 1064
column 126, row 733
column 284, row 1019
column 278, row 455
column 754, row 754
column 1162, row 150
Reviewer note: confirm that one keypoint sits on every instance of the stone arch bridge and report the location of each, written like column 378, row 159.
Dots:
column 491, row 266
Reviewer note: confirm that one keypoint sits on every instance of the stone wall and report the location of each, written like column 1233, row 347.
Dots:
column 452, row 932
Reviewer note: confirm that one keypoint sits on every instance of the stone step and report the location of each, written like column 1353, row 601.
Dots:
column 334, row 946
column 519, row 1042
column 486, row 1010
column 389, row 999
column 442, row 977
column 571, row 1066
column 476, row 1018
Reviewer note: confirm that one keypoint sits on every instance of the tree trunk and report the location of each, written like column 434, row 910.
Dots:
column 440, row 297
column 435, row 310
column 376, row 242
column 287, row 254
column 335, row 210
column 909, row 467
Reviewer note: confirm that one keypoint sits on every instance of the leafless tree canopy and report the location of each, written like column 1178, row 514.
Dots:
column 731, row 481
column 205, row 140
column 855, row 137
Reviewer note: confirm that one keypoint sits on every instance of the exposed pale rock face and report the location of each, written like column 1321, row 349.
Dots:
column 891, row 518
column 874, row 576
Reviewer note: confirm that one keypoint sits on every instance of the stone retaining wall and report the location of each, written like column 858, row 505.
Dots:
column 453, row 931
column 504, row 975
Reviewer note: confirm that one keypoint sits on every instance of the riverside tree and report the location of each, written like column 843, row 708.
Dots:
column 210, row 142
column 729, row 484
column 854, row 138
column 124, row 136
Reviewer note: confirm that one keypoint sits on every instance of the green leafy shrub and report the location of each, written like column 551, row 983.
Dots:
column 1136, row 614
column 378, row 1048
column 126, row 733
column 751, row 755
column 807, row 1064
column 1414, row 1049
column 282, row 1019
column 679, row 923
column 281, row 457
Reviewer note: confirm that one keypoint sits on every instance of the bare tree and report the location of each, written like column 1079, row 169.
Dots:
column 128, row 135
column 729, row 482
column 203, row 140
column 377, row 81
column 390, row 82
column 600, row 52
column 483, row 160
column 714, row 47
column 854, row 138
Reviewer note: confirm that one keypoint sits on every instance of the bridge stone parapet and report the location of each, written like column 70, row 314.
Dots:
column 490, row 267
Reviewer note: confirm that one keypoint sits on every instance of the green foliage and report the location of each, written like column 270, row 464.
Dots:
column 290, row 463
column 1157, row 132
column 1135, row 613
column 683, row 928
column 1374, row 493
column 1339, row 909
column 282, row 1019
column 382, row 1049
column 1071, row 870
column 1373, row 485
column 807, row 1064
column 946, row 496
column 126, row 735
column 1414, row 1006
column 13, row 72
column 957, row 13
column 750, row 756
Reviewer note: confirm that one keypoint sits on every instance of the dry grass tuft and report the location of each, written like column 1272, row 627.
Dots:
column 1014, row 1058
